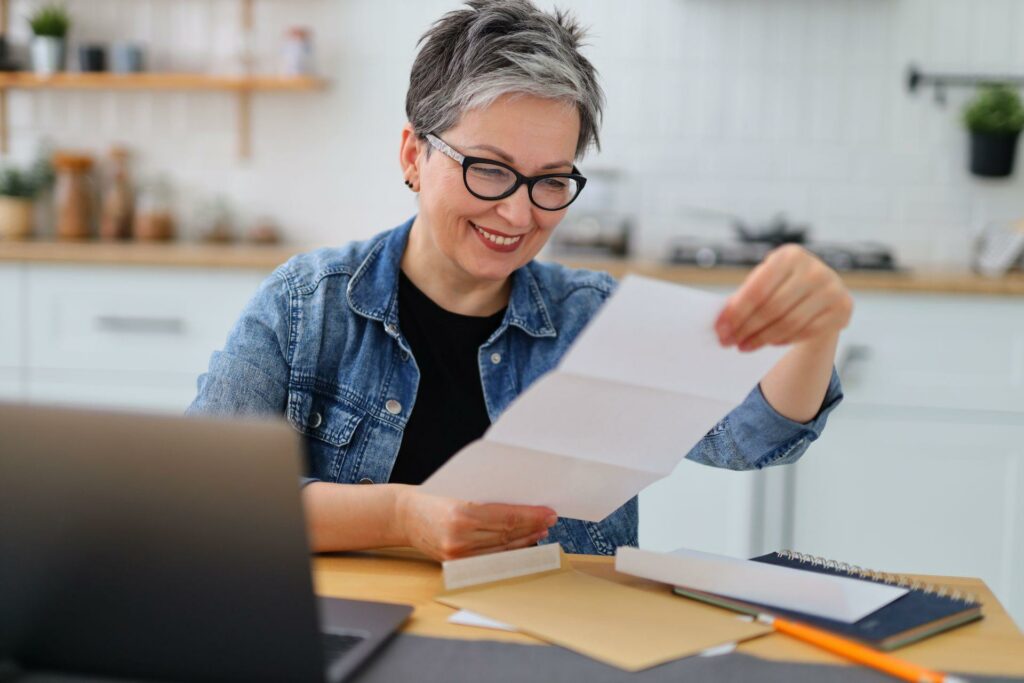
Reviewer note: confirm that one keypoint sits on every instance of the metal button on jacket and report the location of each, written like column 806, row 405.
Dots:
column 315, row 420
column 495, row 358
column 393, row 406
column 366, row 480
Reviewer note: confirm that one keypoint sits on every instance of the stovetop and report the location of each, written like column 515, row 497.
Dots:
column 841, row 256
column 753, row 241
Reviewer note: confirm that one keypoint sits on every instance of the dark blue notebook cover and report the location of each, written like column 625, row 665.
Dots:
column 918, row 614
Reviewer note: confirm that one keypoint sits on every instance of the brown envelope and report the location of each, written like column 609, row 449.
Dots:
column 625, row 627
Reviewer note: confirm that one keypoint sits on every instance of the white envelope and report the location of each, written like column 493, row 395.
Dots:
column 833, row 597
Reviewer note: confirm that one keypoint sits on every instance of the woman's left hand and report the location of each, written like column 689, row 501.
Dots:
column 792, row 296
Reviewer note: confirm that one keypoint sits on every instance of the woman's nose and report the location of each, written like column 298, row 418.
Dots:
column 516, row 209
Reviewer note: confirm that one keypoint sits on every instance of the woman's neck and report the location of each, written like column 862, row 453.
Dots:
column 447, row 285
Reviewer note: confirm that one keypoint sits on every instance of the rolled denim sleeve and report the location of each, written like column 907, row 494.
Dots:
column 754, row 435
column 249, row 376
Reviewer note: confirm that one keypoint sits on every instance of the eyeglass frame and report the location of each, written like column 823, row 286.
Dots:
column 467, row 161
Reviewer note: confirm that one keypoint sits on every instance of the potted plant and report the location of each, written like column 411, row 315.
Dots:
column 994, row 118
column 17, row 189
column 50, row 24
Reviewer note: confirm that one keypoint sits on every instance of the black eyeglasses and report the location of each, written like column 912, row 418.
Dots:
column 493, row 180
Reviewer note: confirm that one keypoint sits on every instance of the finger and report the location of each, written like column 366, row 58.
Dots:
column 755, row 290
column 786, row 297
column 785, row 329
column 830, row 298
column 524, row 542
column 513, row 518
column 501, row 539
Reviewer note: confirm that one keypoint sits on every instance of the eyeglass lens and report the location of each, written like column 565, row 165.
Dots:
column 492, row 181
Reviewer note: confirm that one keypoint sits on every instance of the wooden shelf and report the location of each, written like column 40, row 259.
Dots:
column 241, row 86
column 159, row 81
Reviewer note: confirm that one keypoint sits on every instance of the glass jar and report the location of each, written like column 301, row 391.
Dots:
column 118, row 203
column 74, row 196
column 154, row 215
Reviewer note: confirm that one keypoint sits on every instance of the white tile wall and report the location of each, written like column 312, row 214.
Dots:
column 752, row 106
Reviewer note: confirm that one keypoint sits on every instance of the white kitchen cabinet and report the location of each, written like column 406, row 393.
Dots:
column 713, row 510
column 11, row 386
column 127, row 336
column 922, row 469
column 12, row 309
column 131, row 319
column 12, row 332
column 928, row 351
column 145, row 391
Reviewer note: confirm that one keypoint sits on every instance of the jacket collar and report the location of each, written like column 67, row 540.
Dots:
column 373, row 289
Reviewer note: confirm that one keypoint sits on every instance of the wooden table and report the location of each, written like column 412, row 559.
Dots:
column 991, row 646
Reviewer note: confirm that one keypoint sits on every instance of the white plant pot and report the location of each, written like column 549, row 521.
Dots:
column 47, row 55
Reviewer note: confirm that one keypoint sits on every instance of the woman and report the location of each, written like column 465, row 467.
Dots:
column 391, row 354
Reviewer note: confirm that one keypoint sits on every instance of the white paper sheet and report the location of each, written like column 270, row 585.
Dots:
column 637, row 390
column 466, row 618
column 833, row 597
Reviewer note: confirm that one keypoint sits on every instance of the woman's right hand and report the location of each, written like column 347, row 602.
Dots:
column 447, row 528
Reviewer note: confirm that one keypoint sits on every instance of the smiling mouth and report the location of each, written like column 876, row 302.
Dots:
column 500, row 240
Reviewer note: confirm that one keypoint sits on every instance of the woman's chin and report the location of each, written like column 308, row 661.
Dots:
column 492, row 272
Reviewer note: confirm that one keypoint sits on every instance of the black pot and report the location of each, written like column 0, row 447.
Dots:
column 92, row 58
column 992, row 154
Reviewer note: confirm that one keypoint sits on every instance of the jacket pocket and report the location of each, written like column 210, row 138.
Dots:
column 329, row 426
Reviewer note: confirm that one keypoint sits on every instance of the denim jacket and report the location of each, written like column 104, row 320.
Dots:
column 321, row 343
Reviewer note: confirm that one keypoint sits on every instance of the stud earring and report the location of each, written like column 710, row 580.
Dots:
column 408, row 184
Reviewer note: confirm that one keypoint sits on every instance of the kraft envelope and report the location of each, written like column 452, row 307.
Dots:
column 622, row 626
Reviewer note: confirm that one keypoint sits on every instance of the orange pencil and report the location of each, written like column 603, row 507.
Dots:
column 857, row 652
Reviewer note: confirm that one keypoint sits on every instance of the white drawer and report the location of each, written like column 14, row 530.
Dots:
column 12, row 322
column 162, row 392
column 131, row 319
column 924, row 351
column 11, row 386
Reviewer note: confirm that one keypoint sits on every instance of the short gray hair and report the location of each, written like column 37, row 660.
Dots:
column 472, row 56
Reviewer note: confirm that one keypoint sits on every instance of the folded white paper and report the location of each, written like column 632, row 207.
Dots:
column 642, row 384
column 833, row 597
column 466, row 618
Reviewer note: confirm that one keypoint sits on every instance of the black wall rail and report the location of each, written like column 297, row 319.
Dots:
column 916, row 78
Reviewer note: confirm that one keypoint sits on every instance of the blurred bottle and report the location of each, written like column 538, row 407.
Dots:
column 119, row 201
column 215, row 222
column 74, row 196
column 297, row 52
column 154, row 218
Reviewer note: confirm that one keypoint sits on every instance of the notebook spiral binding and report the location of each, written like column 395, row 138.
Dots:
column 883, row 577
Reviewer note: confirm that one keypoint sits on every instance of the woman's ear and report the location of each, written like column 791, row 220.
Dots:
column 409, row 157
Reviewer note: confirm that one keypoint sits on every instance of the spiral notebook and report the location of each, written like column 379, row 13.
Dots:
column 924, row 611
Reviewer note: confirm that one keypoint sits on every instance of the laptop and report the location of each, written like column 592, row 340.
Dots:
column 165, row 548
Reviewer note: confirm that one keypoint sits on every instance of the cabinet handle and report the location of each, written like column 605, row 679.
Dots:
column 139, row 325
column 852, row 353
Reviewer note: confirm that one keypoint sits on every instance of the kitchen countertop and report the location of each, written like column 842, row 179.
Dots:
column 266, row 257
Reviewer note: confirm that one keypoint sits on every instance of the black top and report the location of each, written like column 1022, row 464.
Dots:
column 449, row 411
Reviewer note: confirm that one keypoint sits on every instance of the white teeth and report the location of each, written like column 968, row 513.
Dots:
column 504, row 241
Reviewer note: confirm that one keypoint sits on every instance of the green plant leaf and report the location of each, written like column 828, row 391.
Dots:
column 995, row 109
column 51, row 20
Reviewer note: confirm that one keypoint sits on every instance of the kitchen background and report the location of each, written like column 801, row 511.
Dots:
column 748, row 107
